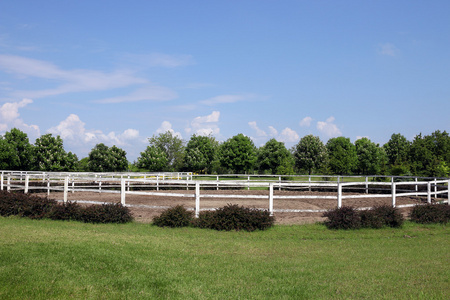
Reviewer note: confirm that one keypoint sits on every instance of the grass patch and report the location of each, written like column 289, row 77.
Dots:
column 56, row 260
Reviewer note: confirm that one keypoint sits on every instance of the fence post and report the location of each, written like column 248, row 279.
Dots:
column 100, row 184
column 48, row 186
column 217, row 177
column 309, row 185
column 435, row 188
column 417, row 188
column 27, row 180
column 279, row 183
column 448, row 192
column 128, row 185
column 197, row 199
column 66, row 188
column 157, row 182
column 339, row 194
column 1, row 183
column 122, row 191
column 8, row 183
column 367, row 184
column 271, row 198
column 429, row 192
column 248, row 183
column 393, row 191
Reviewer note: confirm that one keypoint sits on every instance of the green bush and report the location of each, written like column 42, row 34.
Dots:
column 66, row 211
column 177, row 216
column 235, row 217
column 24, row 205
column 390, row 216
column 345, row 217
column 106, row 213
column 369, row 219
column 430, row 213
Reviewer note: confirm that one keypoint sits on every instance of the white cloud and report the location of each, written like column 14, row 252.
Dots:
column 72, row 130
column 205, row 125
column 148, row 93
column 306, row 122
column 259, row 132
column 10, row 118
column 70, row 80
column 329, row 128
column 226, row 99
column 288, row 136
column 388, row 49
column 272, row 131
column 167, row 126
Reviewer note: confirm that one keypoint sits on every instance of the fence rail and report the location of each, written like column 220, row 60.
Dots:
column 153, row 184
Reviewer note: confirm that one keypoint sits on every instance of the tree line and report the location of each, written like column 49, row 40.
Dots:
column 427, row 155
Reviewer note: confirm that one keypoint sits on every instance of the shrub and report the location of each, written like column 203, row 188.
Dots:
column 24, row 205
column 430, row 213
column 369, row 219
column 342, row 218
column 66, row 211
column 235, row 217
column 176, row 216
column 389, row 215
column 106, row 213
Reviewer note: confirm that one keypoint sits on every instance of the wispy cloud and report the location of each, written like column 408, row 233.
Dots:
column 147, row 93
column 259, row 132
column 77, row 80
column 388, row 49
column 226, row 99
column 159, row 60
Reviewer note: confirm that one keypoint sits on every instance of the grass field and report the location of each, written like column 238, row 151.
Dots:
column 60, row 260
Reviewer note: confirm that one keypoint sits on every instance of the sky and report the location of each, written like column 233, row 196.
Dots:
column 119, row 72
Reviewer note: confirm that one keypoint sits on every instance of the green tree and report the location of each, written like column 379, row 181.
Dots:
column 310, row 154
column 8, row 157
column 22, row 148
column 200, row 153
column 173, row 146
column 50, row 155
column 274, row 158
column 370, row 157
column 152, row 159
column 107, row 159
column 397, row 150
column 342, row 155
column 238, row 154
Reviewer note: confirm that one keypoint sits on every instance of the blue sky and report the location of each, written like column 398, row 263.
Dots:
column 118, row 72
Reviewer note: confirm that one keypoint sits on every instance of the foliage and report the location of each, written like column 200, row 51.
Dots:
column 172, row 146
column 8, row 157
column 66, row 212
column 370, row 157
column 430, row 213
column 238, row 154
column 24, row 205
column 200, row 154
column 389, row 215
column 107, row 159
column 310, row 153
column 152, row 159
column 345, row 217
column 176, row 216
column 397, row 149
column 106, row 213
column 50, row 155
column 21, row 149
column 342, row 155
column 274, row 158
column 235, row 217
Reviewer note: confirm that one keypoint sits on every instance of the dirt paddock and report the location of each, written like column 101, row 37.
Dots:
column 145, row 207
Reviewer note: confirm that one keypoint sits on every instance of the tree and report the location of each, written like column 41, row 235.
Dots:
column 310, row 153
column 50, row 155
column 173, row 146
column 200, row 153
column 397, row 149
column 274, row 158
column 8, row 157
column 22, row 150
column 238, row 154
column 370, row 157
column 342, row 155
column 152, row 159
column 107, row 159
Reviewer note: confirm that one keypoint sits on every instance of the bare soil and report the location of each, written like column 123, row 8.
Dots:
column 154, row 205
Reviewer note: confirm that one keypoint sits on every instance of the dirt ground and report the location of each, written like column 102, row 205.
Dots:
column 145, row 207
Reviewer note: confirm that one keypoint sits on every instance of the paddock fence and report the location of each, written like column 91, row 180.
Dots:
column 198, row 187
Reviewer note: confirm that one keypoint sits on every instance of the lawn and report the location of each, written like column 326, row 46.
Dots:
column 59, row 260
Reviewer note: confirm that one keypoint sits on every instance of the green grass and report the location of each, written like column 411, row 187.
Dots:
column 59, row 260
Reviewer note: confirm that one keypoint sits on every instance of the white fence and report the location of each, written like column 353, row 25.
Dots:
column 152, row 184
